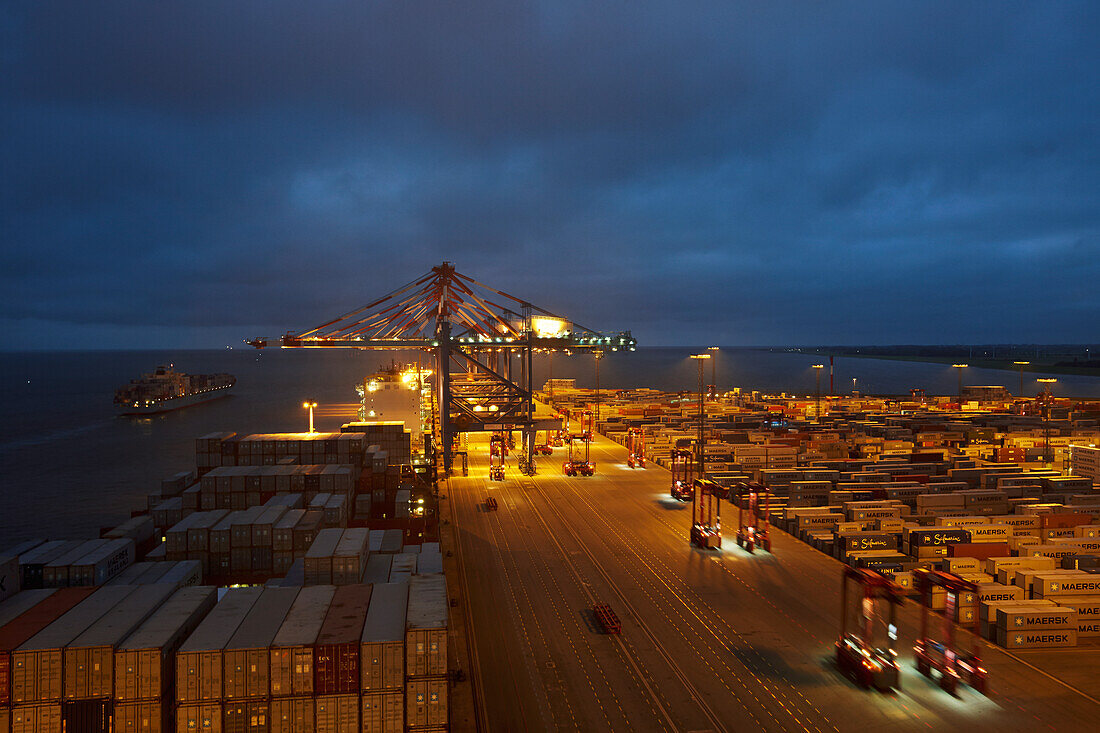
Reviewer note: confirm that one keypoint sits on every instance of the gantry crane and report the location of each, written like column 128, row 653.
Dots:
column 754, row 516
column 544, row 449
column 944, row 654
column 706, row 522
column 683, row 466
column 865, row 649
column 498, row 449
column 635, row 448
column 574, row 464
column 585, row 425
column 475, row 334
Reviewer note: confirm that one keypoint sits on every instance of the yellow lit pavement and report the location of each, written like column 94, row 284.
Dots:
column 710, row 641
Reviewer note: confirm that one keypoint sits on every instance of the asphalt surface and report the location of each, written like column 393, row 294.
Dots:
column 711, row 640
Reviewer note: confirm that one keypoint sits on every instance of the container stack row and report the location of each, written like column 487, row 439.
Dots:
column 240, row 487
column 268, row 449
column 260, row 540
column 353, row 658
column 345, row 557
column 320, row 658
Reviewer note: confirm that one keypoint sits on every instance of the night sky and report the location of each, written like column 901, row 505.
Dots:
column 745, row 173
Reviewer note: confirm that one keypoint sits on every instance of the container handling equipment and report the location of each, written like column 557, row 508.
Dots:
column 706, row 522
column 574, row 464
column 944, row 655
column 497, row 451
column 682, row 465
column 753, row 520
column 635, row 448
column 866, row 651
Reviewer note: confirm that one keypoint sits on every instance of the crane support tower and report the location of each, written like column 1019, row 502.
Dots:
column 706, row 523
column 482, row 341
column 866, row 649
column 944, row 654
column 635, row 448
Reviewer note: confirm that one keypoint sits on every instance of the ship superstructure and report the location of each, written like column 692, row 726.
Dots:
column 166, row 389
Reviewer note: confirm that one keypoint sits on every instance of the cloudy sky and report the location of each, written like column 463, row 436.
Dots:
column 194, row 173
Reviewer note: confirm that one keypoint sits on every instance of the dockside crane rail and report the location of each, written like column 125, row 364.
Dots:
column 476, row 334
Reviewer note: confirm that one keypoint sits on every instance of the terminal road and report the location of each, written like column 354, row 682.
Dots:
column 722, row 641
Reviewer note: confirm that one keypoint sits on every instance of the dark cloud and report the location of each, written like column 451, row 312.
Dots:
column 737, row 172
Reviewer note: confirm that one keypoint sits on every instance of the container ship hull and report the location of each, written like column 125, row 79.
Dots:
column 166, row 389
column 174, row 403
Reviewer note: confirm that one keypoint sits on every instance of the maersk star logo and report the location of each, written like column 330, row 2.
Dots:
column 1053, row 586
column 1018, row 640
column 1019, row 621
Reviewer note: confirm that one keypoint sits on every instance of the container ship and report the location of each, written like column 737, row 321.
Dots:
column 166, row 389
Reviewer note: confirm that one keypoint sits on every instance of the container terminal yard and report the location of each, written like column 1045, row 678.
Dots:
column 476, row 554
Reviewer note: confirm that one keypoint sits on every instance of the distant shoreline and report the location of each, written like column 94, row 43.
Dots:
column 1039, row 368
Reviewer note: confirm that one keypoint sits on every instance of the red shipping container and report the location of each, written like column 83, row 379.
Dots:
column 30, row 622
column 979, row 550
column 336, row 654
column 1062, row 521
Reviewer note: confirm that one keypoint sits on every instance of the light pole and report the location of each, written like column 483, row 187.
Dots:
column 960, row 367
column 599, row 355
column 309, row 405
column 1021, row 364
column 1046, row 401
column 817, row 394
column 714, row 369
column 702, row 413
